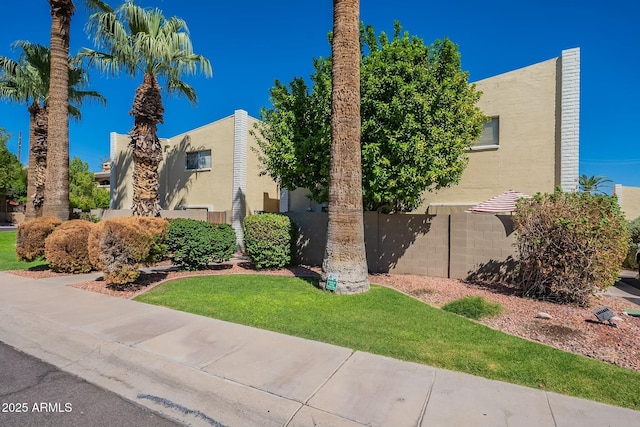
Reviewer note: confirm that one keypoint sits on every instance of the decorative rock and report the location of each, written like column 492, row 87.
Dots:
column 543, row 315
column 617, row 319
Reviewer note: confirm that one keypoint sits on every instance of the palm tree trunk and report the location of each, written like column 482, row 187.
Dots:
column 56, row 201
column 345, row 254
column 36, row 173
column 147, row 151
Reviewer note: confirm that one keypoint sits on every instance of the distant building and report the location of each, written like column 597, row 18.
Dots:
column 103, row 178
column 628, row 199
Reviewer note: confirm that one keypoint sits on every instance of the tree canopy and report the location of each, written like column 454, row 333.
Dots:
column 84, row 194
column 12, row 175
column 419, row 117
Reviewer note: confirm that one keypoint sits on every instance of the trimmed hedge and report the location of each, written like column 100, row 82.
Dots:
column 119, row 246
column 268, row 240
column 31, row 236
column 193, row 244
column 66, row 248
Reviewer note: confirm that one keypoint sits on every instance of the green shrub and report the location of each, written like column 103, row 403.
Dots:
column 119, row 246
column 268, row 240
column 473, row 307
column 634, row 241
column 570, row 245
column 66, row 248
column 194, row 244
column 31, row 236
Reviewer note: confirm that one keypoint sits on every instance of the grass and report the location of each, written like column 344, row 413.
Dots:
column 473, row 307
column 386, row 322
column 8, row 260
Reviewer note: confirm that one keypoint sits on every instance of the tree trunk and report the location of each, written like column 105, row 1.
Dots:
column 56, row 198
column 345, row 254
column 36, row 172
column 147, row 151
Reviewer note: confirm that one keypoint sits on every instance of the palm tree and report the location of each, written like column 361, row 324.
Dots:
column 138, row 40
column 56, row 201
column 345, row 257
column 593, row 184
column 27, row 81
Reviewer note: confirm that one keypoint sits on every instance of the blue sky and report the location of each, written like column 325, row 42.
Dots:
column 251, row 43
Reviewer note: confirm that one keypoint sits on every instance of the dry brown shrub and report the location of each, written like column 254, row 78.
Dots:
column 93, row 245
column 570, row 245
column 119, row 246
column 66, row 247
column 31, row 236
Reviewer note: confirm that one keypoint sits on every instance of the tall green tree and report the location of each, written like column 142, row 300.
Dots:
column 84, row 194
column 11, row 173
column 419, row 118
column 138, row 41
column 56, row 199
column 593, row 184
column 345, row 257
column 27, row 81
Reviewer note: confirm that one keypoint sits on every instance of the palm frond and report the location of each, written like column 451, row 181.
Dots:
column 135, row 39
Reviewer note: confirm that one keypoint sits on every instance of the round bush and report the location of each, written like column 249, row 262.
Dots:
column 119, row 246
column 268, row 239
column 193, row 244
column 31, row 236
column 66, row 247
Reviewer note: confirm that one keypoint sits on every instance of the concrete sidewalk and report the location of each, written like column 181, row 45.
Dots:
column 206, row 372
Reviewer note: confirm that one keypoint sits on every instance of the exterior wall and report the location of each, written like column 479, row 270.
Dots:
column 629, row 200
column 479, row 240
column 456, row 245
column 263, row 191
column 210, row 189
column 199, row 214
column 121, row 172
column 525, row 159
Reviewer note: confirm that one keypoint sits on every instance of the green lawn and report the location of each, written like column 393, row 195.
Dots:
column 8, row 260
column 386, row 322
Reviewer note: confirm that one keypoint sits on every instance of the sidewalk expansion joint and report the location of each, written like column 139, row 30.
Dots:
column 427, row 399
column 306, row 401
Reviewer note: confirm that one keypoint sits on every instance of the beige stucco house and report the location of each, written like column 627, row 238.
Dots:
column 212, row 168
column 530, row 144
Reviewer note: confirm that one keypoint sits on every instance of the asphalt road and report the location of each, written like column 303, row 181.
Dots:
column 35, row 393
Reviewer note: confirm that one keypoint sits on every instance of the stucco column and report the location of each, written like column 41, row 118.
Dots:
column 570, row 119
column 239, row 191
column 113, row 140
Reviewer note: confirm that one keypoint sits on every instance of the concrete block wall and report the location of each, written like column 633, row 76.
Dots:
column 430, row 245
column 412, row 244
column 478, row 239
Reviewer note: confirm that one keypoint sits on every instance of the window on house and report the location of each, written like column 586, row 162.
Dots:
column 199, row 160
column 490, row 134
